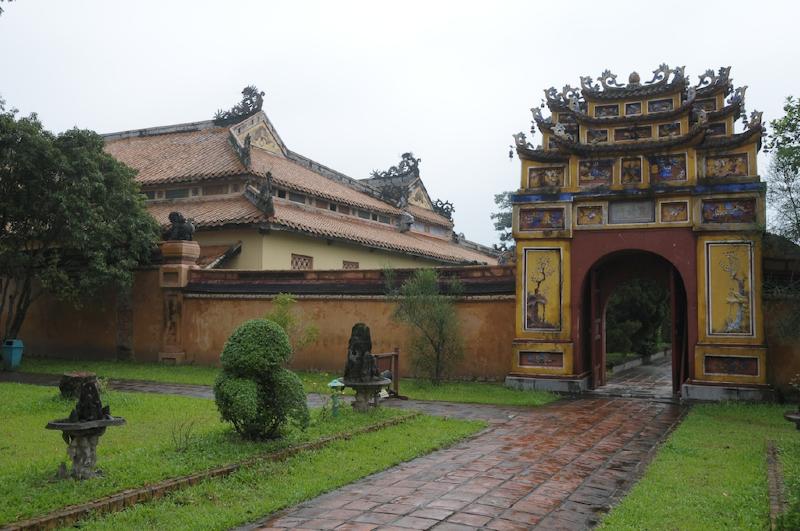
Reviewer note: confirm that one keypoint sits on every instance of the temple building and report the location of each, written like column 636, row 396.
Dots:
column 258, row 205
column 641, row 179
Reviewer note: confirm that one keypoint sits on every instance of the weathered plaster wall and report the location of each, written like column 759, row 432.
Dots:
column 252, row 242
column 278, row 248
column 487, row 326
column 215, row 302
column 783, row 345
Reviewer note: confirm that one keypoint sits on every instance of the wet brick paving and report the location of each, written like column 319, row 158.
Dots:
column 560, row 466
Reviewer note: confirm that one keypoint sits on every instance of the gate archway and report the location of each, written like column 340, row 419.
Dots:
column 644, row 175
column 600, row 282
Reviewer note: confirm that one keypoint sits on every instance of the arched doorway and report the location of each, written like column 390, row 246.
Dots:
column 600, row 281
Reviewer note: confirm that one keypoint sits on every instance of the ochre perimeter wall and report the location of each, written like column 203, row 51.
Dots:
column 215, row 302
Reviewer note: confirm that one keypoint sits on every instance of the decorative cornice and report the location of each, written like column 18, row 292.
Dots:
column 693, row 137
column 754, row 132
column 665, row 80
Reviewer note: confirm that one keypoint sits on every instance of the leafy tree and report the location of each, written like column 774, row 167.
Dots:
column 502, row 220
column 283, row 314
column 254, row 392
column 72, row 220
column 436, row 343
column 635, row 316
column 783, row 176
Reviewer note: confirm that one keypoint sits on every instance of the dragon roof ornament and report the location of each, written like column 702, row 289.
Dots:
column 701, row 115
column 609, row 80
column 560, row 131
column 710, row 79
column 568, row 97
column 521, row 141
column 754, row 121
column 738, row 96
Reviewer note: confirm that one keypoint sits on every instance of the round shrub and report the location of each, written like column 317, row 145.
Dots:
column 254, row 392
column 238, row 403
column 255, row 347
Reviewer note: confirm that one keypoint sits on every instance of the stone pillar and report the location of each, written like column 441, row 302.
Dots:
column 180, row 257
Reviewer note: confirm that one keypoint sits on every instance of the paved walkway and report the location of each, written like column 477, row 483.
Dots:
column 555, row 467
column 653, row 381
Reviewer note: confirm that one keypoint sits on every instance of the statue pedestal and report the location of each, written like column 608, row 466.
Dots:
column 82, row 439
column 366, row 392
column 179, row 258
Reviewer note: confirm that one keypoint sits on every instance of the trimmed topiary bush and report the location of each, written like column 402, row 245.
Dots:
column 254, row 392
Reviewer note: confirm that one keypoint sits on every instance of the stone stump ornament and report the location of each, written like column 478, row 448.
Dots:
column 71, row 382
column 82, row 431
column 361, row 371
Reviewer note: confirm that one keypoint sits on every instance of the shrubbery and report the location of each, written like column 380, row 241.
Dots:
column 254, row 392
column 436, row 344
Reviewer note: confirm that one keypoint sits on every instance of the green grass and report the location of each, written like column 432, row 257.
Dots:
column 313, row 381
column 790, row 463
column 143, row 451
column 257, row 491
column 710, row 474
column 474, row 393
column 125, row 370
column 618, row 358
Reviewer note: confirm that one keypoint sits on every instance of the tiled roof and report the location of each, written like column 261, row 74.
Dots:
column 213, row 255
column 179, row 156
column 428, row 215
column 338, row 226
column 206, row 212
column 239, row 210
column 292, row 175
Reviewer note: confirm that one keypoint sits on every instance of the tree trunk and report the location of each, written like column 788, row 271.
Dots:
column 19, row 302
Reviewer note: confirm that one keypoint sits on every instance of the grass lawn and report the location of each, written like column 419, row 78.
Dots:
column 618, row 358
column 258, row 491
column 143, row 451
column 789, row 449
column 313, row 382
column 125, row 370
column 711, row 473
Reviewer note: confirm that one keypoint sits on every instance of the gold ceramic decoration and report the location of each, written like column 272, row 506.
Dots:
column 729, row 297
column 542, row 289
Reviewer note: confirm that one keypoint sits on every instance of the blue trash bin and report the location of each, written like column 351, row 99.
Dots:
column 12, row 354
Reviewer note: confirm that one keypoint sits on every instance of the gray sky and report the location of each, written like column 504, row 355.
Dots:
column 354, row 84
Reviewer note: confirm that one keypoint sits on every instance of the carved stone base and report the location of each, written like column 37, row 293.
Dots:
column 82, row 450
column 366, row 393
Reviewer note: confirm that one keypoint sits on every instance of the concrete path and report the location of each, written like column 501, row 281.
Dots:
column 555, row 467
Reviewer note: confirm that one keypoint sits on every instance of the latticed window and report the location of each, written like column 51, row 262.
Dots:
column 300, row 261
column 349, row 265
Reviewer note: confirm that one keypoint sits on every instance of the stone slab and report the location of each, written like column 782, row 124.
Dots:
column 719, row 393
column 555, row 385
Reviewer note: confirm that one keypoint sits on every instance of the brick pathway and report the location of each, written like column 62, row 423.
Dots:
column 653, row 381
column 554, row 467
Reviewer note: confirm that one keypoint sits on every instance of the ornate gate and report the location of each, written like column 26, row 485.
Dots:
column 655, row 167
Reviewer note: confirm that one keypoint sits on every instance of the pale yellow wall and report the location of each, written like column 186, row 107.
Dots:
column 279, row 246
column 251, row 254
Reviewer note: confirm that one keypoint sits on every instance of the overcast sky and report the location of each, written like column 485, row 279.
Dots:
column 355, row 84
